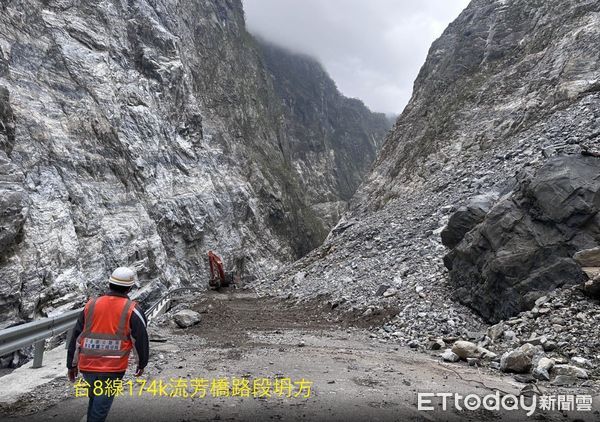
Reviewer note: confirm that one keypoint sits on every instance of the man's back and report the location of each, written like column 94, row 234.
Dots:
column 107, row 313
column 106, row 317
column 108, row 328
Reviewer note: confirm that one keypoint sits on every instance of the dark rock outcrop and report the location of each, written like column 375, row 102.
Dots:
column 466, row 218
column 7, row 123
column 591, row 288
column 525, row 245
column 13, row 205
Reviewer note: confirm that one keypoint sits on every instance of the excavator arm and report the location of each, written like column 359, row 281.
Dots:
column 217, row 273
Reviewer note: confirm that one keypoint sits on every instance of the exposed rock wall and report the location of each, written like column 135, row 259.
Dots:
column 332, row 139
column 508, row 84
column 138, row 132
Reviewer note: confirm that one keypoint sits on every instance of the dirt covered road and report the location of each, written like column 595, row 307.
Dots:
column 254, row 358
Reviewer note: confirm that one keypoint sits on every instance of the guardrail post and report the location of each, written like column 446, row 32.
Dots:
column 166, row 306
column 38, row 353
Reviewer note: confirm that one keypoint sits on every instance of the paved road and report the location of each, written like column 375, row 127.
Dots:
column 353, row 377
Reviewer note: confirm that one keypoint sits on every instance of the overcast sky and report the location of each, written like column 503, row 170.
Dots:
column 373, row 49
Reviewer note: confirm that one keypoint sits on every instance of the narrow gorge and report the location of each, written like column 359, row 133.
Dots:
column 145, row 133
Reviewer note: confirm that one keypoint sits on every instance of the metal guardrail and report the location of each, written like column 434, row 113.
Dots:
column 36, row 332
column 163, row 303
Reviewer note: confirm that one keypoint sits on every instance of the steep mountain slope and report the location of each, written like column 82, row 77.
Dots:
column 332, row 139
column 500, row 68
column 507, row 86
column 141, row 132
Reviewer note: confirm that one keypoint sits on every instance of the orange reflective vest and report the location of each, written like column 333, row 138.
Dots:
column 105, row 343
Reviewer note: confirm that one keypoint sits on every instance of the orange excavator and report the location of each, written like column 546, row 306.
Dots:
column 218, row 277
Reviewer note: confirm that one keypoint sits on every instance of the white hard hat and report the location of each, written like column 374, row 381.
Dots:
column 123, row 276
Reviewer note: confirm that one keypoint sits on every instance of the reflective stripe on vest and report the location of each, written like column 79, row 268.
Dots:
column 104, row 346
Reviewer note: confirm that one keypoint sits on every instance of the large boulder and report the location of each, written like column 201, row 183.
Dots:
column 467, row 349
column 570, row 370
column 588, row 257
column 186, row 318
column 542, row 369
column 450, row 356
column 466, row 218
column 524, row 246
column 520, row 360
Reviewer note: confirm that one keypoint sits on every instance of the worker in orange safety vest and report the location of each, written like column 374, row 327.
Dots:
column 107, row 329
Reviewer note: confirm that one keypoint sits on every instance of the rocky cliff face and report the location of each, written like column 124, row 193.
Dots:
column 143, row 133
column 501, row 68
column 509, row 85
column 333, row 140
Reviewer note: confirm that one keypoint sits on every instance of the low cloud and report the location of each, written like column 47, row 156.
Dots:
column 372, row 49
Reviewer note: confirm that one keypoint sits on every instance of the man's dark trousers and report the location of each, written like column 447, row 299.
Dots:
column 99, row 405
